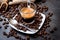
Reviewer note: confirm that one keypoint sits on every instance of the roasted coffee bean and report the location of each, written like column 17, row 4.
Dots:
column 4, row 19
column 8, row 36
column 1, row 19
column 16, row 36
column 39, row 33
column 4, row 33
column 52, row 31
column 13, row 10
column 5, row 26
column 24, row 29
column 45, row 8
column 50, row 14
column 45, row 38
column 27, row 38
column 55, row 28
column 0, row 27
column 45, row 33
column 49, row 38
column 5, row 23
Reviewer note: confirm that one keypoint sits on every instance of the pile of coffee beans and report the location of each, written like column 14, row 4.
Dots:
column 13, row 10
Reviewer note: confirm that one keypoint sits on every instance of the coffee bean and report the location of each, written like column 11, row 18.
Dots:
column 50, row 14
column 8, row 36
column 1, row 19
column 4, row 33
column 45, row 8
column 4, row 19
column 55, row 28
column 52, row 31
column 27, row 38
column 49, row 38
column 0, row 27
column 45, row 38
column 45, row 33
column 5, row 26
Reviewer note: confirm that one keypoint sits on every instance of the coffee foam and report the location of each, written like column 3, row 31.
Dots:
column 27, row 12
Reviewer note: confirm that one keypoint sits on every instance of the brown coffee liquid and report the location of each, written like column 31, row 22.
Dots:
column 27, row 14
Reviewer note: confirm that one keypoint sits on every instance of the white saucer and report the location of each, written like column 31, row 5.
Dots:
column 30, row 32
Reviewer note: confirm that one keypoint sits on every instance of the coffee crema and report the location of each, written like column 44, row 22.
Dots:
column 27, row 13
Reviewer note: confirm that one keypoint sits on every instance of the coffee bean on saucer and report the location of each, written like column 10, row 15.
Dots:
column 5, row 23
column 20, row 28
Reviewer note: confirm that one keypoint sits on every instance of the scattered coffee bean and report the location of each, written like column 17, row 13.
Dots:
column 4, row 33
column 1, row 19
column 5, row 26
column 27, row 38
column 0, row 27
column 55, row 28
column 52, row 31
column 4, row 19
column 45, row 38
column 45, row 8
column 50, row 14
column 49, row 38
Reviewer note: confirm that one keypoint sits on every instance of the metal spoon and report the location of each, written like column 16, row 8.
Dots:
column 28, row 3
column 14, row 22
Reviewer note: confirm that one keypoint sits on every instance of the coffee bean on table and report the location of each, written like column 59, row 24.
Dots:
column 5, row 26
column 55, row 28
column 27, row 38
column 52, row 31
column 50, row 14
column 1, row 19
column 0, row 27
column 45, row 8
column 4, row 19
column 4, row 33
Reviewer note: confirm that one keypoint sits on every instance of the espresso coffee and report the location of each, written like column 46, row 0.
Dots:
column 27, row 14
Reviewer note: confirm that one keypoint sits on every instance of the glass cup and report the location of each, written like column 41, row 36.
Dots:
column 27, row 11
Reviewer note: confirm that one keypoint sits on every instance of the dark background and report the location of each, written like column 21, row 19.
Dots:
column 54, row 6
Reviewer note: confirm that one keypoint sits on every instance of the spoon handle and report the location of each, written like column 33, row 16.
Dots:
column 14, row 16
column 27, row 27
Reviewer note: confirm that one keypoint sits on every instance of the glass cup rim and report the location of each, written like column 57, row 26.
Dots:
column 28, row 2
